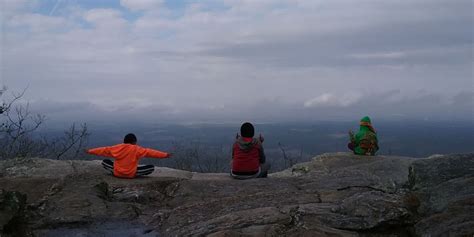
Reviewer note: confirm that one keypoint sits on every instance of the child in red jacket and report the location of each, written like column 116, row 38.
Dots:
column 248, row 157
column 126, row 157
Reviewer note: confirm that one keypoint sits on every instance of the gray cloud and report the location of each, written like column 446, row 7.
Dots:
column 266, row 60
column 387, row 33
column 423, row 106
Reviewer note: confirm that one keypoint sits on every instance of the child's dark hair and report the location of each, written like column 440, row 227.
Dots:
column 130, row 139
column 247, row 130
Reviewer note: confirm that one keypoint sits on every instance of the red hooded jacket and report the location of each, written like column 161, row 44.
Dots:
column 247, row 155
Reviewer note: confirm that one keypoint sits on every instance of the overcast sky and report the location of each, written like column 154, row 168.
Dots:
column 225, row 60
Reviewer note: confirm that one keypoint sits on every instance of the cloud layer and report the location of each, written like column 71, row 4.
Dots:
column 233, row 60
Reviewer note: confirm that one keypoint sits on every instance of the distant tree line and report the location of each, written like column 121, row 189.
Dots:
column 19, row 135
column 199, row 157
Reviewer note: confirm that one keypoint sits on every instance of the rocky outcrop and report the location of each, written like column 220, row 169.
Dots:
column 445, row 187
column 336, row 194
column 12, row 206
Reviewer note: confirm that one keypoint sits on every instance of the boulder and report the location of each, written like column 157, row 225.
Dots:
column 445, row 187
column 12, row 208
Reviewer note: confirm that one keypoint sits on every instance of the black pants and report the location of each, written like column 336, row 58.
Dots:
column 351, row 146
column 261, row 173
column 141, row 169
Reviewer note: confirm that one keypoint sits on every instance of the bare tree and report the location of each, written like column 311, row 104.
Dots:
column 194, row 157
column 180, row 159
column 70, row 144
column 290, row 159
column 3, row 105
column 18, row 127
column 217, row 160
column 194, row 152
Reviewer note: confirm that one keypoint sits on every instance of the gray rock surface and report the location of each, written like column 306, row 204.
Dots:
column 12, row 207
column 445, row 187
column 337, row 194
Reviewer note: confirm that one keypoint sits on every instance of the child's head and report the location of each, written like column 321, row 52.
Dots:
column 130, row 139
column 247, row 130
column 365, row 119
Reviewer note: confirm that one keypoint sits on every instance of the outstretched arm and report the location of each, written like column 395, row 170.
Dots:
column 151, row 153
column 351, row 136
column 100, row 151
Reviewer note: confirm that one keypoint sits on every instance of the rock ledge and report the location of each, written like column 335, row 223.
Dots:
column 336, row 194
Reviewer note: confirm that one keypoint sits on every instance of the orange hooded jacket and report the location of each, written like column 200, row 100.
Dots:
column 126, row 157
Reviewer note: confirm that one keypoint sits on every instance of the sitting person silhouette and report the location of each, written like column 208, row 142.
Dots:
column 248, row 157
column 126, row 157
column 365, row 142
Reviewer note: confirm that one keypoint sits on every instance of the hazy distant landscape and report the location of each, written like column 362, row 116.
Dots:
column 407, row 64
column 301, row 141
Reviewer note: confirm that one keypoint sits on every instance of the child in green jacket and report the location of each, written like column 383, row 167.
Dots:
column 365, row 142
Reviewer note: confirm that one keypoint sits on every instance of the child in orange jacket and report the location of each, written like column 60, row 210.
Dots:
column 126, row 157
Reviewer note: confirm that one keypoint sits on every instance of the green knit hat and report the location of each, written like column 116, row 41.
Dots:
column 365, row 119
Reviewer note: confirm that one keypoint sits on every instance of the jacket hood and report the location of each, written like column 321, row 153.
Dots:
column 246, row 143
column 365, row 124
column 365, row 119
